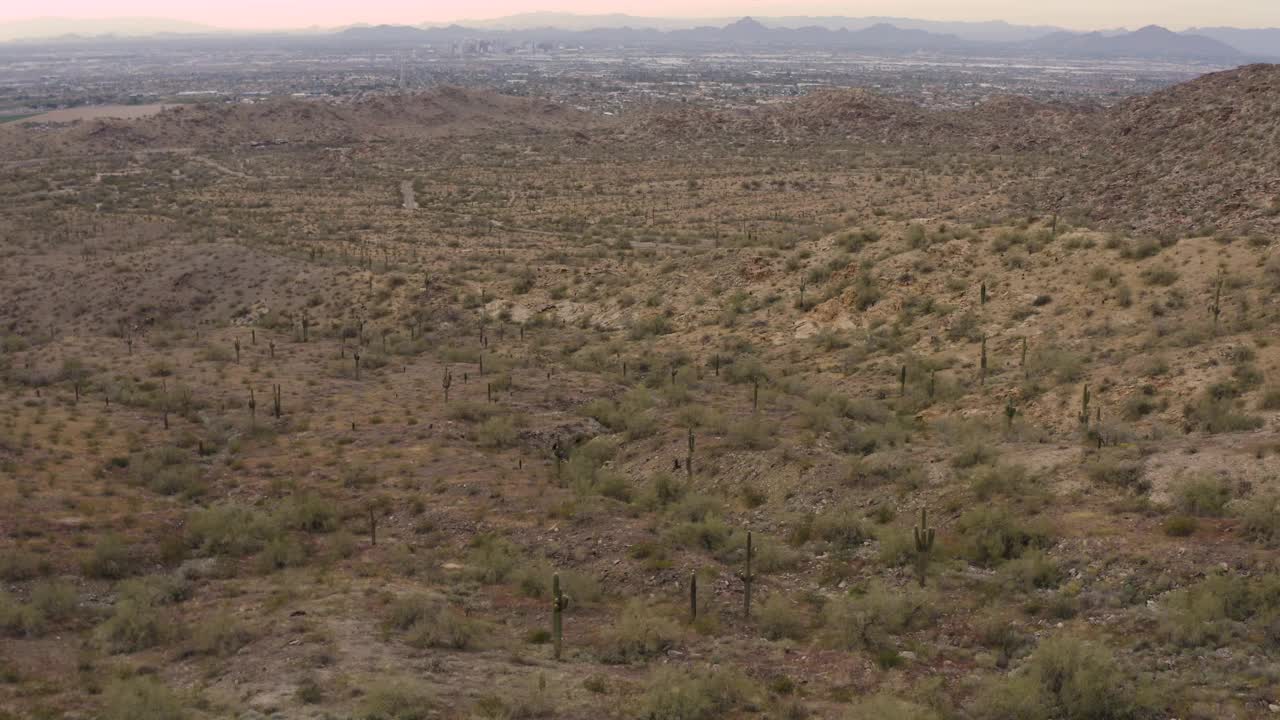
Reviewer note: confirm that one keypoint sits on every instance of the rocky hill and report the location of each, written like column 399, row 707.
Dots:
column 1201, row 154
column 441, row 112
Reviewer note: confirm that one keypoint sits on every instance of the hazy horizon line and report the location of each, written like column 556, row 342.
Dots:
column 463, row 22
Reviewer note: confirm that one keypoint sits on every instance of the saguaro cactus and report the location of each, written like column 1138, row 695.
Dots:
column 747, row 578
column 1084, row 405
column 982, row 293
column 924, row 537
column 688, row 464
column 982, row 378
column 445, row 382
column 693, row 596
column 902, row 382
column 1216, row 308
column 559, row 602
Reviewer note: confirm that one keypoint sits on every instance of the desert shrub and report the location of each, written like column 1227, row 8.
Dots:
column 227, row 530
column 18, row 619
column 1270, row 399
column 396, row 700
column 108, row 560
column 308, row 512
column 887, row 707
column 1119, row 470
column 168, row 471
column 1007, row 480
column 1180, row 526
column 639, row 633
column 429, row 623
column 1218, row 414
column 1214, row 610
column 992, row 535
column 1204, row 496
column 841, row 526
column 135, row 624
column 897, row 546
column 1033, row 570
column 874, row 470
column 281, row 552
column 497, row 432
column 1061, row 366
column 1260, row 519
column 470, row 411
column 973, row 453
column 753, row 433
column 1068, row 679
column 708, row 533
column 1159, row 276
column 141, row 697
column 778, row 618
column 54, row 599
column 221, row 635
column 491, row 559
column 867, row 620
column 17, row 565
column 682, row 694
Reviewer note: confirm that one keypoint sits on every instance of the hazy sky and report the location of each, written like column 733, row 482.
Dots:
column 292, row 13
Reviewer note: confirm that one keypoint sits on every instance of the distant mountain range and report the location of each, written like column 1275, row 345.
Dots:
column 895, row 35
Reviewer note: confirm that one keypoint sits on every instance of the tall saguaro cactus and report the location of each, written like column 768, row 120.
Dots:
column 747, row 578
column 924, row 537
column 688, row 464
column 559, row 602
column 693, row 596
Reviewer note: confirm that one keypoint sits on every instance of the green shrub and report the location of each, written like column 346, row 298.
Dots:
column 491, row 559
column 778, row 618
column 168, row 471
column 1218, row 414
column 308, row 512
column 1118, row 470
column 135, row 625
column 887, row 707
column 18, row 619
column 992, row 535
column 222, row 634
column 1180, row 526
column 54, row 599
column 1203, row 496
column 1034, row 570
column 428, row 623
column 1213, row 611
column 1067, row 679
column 753, row 433
column 639, row 633
column 17, row 565
column 396, row 700
column 684, row 694
column 972, row 453
column 141, row 698
column 841, row 526
column 497, row 432
column 1260, row 519
column 866, row 621
column 109, row 559
column 281, row 552
column 1008, row 480
column 227, row 530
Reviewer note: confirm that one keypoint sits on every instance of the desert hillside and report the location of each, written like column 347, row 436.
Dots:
column 459, row 405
